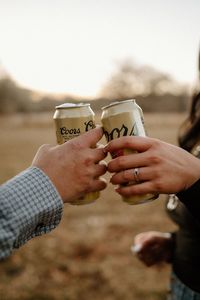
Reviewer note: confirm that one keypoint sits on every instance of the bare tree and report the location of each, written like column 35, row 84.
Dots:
column 131, row 80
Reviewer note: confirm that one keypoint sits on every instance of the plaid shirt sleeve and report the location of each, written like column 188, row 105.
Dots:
column 29, row 206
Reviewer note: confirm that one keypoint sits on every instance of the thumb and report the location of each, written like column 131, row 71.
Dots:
column 140, row 238
column 144, row 239
column 91, row 138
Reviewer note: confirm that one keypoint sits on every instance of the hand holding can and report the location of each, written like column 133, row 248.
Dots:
column 123, row 119
column 72, row 120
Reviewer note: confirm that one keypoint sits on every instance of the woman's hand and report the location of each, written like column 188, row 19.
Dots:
column 161, row 167
column 153, row 247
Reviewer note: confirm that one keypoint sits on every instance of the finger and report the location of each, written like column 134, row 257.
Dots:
column 90, row 138
column 150, row 235
column 145, row 246
column 98, row 145
column 43, row 149
column 98, row 185
column 146, row 259
column 139, row 238
column 98, row 154
column 128, row 161
column 100, row 169
column 135, row 143
column 128, row 175
column 137, row 189
column 140, row 244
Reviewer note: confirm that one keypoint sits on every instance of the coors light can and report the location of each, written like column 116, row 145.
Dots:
column 71, row 120
column 125, row 118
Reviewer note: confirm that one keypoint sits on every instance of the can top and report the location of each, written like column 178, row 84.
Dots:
column 71, row 105
column 117, row 103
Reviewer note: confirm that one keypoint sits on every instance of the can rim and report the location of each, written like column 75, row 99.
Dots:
column 117, row 103
column 71, row 105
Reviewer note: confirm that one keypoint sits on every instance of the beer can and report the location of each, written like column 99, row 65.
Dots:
column 72, row 120
column 125, row 118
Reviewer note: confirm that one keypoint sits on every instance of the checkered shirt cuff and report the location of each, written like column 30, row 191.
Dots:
column 29, row 206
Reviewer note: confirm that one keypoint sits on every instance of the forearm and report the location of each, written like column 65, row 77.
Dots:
column 29, row 206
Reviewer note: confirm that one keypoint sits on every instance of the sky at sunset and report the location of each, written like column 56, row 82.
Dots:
column 74, row 46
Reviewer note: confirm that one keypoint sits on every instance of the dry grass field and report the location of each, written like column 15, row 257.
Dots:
column 88, row 256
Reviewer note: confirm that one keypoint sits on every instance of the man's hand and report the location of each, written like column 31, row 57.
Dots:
column 74, row 167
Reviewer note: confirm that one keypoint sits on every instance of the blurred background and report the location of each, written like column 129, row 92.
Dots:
column 70, row 51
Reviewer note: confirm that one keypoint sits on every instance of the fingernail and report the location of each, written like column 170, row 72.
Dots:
column 117, row 190
column 103, row 162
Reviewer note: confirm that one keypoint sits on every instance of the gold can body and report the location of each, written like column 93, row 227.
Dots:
column 72, row 120
column 125, row 118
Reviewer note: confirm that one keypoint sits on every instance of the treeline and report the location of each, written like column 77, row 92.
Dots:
column 151, row 103
column 14, row 98
column 153, row 90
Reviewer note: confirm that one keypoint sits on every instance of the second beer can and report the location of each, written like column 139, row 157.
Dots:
column 125, row 118
column 72, row 120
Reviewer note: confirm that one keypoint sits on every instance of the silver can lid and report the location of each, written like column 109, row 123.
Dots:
column 117, row 103
column 71, row 105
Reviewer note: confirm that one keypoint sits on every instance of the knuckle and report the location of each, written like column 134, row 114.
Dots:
column 126, row 175
column 128, row 143
column 121, row 161
column 88, row 160
column 75, row 145
column 87, row 173
column 155, row 158
column 45, row 147
column 100, row 152
column 86, row 184
column 158, row 186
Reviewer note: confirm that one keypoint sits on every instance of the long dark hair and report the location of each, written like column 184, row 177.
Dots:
column 189, row 134
column 190, row 130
